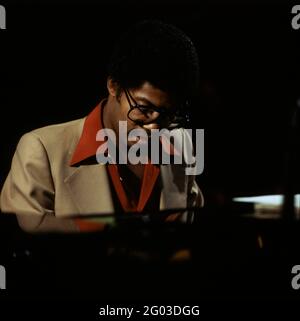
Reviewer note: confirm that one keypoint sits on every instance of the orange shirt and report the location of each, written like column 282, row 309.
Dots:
column 87, row 147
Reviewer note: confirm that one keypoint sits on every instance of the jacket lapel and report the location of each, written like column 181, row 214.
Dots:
column 89, row 187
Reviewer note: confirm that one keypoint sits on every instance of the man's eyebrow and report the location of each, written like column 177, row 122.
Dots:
column 148, row 102
column 145, row 100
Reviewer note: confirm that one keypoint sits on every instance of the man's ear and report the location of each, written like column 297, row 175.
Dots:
column 112, row 87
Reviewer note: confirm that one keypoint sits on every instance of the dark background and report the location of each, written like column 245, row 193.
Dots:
column 53, row 59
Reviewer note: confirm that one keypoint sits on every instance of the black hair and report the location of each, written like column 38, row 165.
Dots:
column 159, row 53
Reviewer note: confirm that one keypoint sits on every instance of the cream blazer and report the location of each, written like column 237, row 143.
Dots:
column 45, row 191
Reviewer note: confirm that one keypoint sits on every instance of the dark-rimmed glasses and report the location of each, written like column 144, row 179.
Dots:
column 168, row 118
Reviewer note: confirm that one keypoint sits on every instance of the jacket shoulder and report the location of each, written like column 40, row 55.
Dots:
column 50, row 132
column 57, row 141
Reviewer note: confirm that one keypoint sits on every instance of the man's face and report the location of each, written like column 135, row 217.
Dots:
column 146, row 96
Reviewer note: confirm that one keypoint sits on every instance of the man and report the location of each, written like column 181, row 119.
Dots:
column 55, row 174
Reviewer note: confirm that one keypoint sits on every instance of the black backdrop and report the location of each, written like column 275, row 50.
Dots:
column 53, row 58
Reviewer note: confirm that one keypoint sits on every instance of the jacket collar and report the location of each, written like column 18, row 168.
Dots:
column 88, row 145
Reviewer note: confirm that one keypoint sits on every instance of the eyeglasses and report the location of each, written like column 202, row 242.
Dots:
column 165, row 117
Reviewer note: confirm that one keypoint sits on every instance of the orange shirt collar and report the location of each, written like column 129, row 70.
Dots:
column 88, row 145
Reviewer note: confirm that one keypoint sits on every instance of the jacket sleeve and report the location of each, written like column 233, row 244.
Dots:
column 195, row 196
column 194, row 199
column 29, row 189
